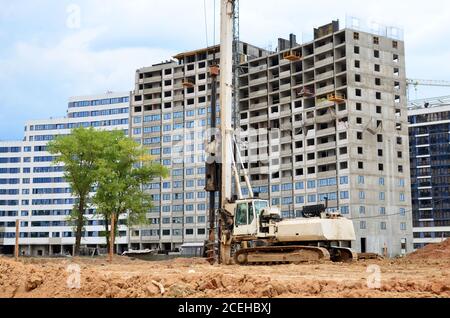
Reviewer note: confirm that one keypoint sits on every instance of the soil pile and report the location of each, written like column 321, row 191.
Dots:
column 195, row 278
column 433, row 251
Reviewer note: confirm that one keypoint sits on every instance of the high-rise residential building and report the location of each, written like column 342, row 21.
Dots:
column 429, row 133
column 327, row 120
column 170, row 113
column 33, row 190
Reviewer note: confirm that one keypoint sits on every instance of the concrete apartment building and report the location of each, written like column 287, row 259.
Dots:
column 34, row 191
column 429, row 134
column 328, row 119
column 170, row 113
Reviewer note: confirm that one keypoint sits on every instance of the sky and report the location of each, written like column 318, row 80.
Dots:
column 51, row 50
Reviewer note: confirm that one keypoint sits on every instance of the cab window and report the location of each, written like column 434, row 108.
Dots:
column 259, row 205
column 241, row 214
column 251, row 214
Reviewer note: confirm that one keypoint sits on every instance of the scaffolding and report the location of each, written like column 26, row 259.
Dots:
column 336, row 98
column 292, row 56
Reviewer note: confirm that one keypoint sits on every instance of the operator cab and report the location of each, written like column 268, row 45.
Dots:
column 247, row 214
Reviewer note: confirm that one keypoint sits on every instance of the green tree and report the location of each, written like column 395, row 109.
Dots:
column 123, row 170
column 80, row 153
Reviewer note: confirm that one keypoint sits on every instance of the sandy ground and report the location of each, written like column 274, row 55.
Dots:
column 423, row 274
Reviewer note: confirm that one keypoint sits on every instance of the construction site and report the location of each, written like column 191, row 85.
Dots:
column 306, row 183
column 424, row 274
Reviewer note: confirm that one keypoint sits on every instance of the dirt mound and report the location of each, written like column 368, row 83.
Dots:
column 432, row 251
column 125, row 278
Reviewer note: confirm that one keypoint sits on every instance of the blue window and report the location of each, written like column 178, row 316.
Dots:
column 177, row 172
column 155, row 152
column 299, row 185
column 401, row 183
column 286, row 187
column 201, row 195
column 287, row 200
column 381, row 181
column 382, row 210
column 344, row 195
column 166, row 197
column 275, row 188
column 177, row 184
column 402, row 197
column 189, row 195
column 300, row 199
column 362, row 195
column 311, row 184
column 200, row 183
column 343, row 180
column 190, row 183
column 382, row 196
column 402, row 211
column 361, row 180
column 276, row 201
column 312, row 198
column 345, row 209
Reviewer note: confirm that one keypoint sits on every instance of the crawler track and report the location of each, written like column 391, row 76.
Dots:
column 281, row 255
column 272, row 255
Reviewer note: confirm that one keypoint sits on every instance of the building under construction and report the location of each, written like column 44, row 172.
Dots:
column 170, row 116
column 325, row 122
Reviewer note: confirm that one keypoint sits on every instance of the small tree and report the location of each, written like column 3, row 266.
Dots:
column 80, row 153
column 123, row 170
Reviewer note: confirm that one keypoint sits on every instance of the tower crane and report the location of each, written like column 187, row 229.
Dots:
column 249, row 224
column 421, row 82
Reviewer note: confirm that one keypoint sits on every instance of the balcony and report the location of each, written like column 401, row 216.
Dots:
column 258, row 119
column 324, row 62
column 153, row 79
column 324, row 102
column 257, row 69
column 285, row 100
column 325, row 75
column 323, row 48
column 324, row 90
column 152, row 90
column 285, row 74
column 258, row 81
column 326, row 132
column 258, row 106
column 328, row 145
column 261, row 92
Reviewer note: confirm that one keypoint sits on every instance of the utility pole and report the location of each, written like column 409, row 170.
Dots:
column 16, row 250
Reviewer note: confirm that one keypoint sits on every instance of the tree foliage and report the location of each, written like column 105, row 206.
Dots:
column 79, row 152
column 115, row 166
column 123, row 170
